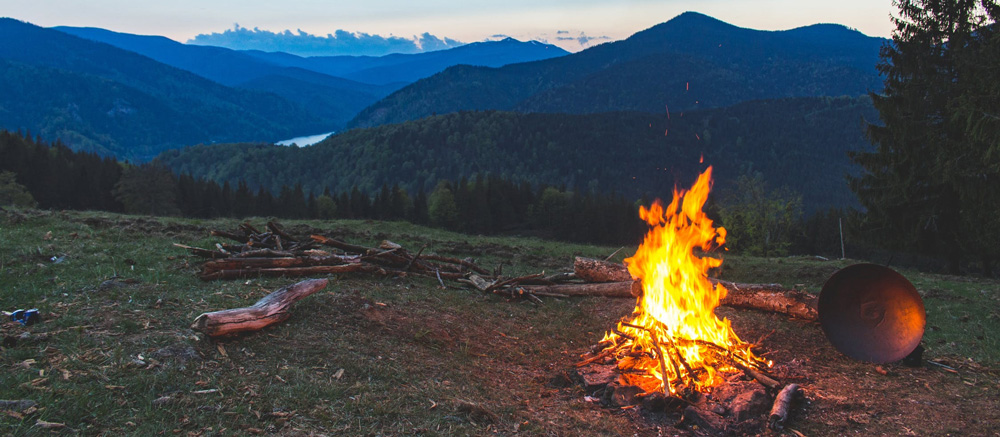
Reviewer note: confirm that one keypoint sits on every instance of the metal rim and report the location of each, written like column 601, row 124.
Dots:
column 871, row 313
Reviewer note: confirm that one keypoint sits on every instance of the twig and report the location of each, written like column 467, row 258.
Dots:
column 410, row 264
column 943, row 366
column 439, row 278
column 516, row 280
column 604, row 353
column 614, row 253
column 663, row 364
column 545, row 294
column 460, row 262
column 659, row 356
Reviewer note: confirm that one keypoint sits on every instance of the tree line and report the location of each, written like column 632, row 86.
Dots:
column 51, row 176
column 768, row 222
column 932, row 185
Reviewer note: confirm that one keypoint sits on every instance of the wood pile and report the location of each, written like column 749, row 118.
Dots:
column 274, row 252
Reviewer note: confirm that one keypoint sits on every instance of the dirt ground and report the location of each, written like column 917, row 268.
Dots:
column 842, row 396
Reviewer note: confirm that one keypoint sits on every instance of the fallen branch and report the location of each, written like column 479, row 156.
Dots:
column 595, row 270
column 269, row 310
column 286, row 272
column 782, row 406
column 770, row 297
column 605, row 289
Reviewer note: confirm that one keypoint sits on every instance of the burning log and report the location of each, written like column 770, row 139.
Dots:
column 269, row 310
column 782, row 406
column 764, row 297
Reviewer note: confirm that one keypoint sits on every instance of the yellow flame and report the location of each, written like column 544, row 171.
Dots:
column 674, row 319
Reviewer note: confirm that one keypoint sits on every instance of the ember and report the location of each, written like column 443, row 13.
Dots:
column 673, row 342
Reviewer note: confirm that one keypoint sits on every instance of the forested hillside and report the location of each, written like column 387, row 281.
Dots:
column 800, row 143
column 692, row 61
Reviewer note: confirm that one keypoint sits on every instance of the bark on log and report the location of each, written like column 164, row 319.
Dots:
column 269, row 310
column 595, row 270
column 347, row 247
column 782, row 406
column 287, row 272
column 771, row 297
column 765, row 297
column 606, row 289
column 270, row 263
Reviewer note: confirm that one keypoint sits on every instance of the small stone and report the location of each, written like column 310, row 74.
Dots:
column 596, row 377
column 621, row 395
column 749, row 404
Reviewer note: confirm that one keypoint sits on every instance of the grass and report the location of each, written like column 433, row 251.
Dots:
column 368, row 355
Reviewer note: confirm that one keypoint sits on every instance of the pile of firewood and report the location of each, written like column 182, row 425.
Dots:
column 276, row 253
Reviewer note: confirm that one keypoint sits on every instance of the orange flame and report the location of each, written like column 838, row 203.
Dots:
column 673, row 339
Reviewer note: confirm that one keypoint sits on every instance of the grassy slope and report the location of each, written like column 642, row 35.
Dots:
column 416, row 358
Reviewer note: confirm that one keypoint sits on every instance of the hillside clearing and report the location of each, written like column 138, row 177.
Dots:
column 370, row 355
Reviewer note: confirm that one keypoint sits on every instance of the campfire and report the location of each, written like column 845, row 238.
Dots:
column 673, row 342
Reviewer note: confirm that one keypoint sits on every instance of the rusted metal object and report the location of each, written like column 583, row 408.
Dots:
column 872, row 313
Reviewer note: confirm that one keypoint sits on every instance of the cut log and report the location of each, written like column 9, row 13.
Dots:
column 771, row 297
column 595, row 270
column 764, row 297
column 270, row 263
column 347, row 247
column 605, row 289
column 286, row 272
column 782, row 406
column 269, row 310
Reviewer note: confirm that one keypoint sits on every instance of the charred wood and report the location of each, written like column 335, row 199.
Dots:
column 782, row 406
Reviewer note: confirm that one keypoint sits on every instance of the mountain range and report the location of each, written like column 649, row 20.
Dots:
column 132, row 96
column 788, row 104
column 99, row 98
column 692, row 61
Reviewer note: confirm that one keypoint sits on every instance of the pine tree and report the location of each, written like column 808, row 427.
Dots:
column 13, row 193
column 925, row 179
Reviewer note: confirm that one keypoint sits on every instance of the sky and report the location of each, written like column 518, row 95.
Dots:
column 571, row 24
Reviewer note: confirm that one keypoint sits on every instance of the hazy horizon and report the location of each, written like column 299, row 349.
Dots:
column 572, row 25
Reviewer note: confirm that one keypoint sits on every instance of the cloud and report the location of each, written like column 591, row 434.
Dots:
column 340, row 42
column 582, row 39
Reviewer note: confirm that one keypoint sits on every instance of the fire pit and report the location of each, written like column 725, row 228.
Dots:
column 673, row 349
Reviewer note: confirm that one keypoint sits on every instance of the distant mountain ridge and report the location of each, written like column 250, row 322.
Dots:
column 100, row 98
column 334, row 89
column 406, row 68
column 333, row 99
column 692, row 61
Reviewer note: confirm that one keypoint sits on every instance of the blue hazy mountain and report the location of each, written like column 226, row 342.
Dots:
column 96, row 97
column 692, row 61
column 406, row 68
column 329, row 98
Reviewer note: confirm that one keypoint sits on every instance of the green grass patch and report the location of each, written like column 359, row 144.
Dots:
column 368, row 355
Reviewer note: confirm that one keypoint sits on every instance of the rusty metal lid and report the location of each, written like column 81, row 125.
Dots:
column 871, row 313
